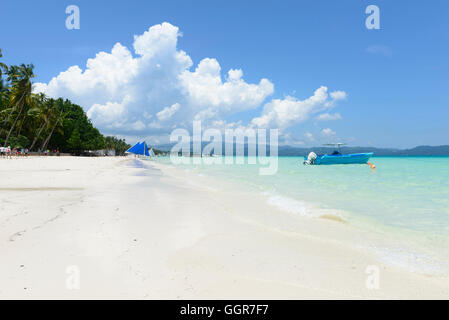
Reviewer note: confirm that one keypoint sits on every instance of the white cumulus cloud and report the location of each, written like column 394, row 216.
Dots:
column 154, row 88
column 205, row 89
column 328, row 116
column 149, row 90
column 309, row 136
column 327, row 132
column 168, row 112
column 283, row 113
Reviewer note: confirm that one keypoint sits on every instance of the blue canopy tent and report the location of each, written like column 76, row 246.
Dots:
column 139, row 148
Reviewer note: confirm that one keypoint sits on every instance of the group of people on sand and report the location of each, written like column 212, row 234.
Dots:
column 8, row 152
column 51, row 152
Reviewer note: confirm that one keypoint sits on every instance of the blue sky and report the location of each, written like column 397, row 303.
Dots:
column 395, row 79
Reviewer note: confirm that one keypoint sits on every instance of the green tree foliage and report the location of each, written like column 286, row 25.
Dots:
column 74, row 143
column 36, row 122
column 119, row 145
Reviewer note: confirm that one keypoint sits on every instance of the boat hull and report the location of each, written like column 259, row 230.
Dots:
column 354, row 158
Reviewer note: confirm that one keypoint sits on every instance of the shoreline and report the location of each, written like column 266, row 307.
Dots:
column 412, row 249
column 139, row 229
column 402, row 248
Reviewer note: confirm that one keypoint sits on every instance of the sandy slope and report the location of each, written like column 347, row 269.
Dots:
column 126, row 231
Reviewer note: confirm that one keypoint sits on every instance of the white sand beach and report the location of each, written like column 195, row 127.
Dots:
column 136, row 229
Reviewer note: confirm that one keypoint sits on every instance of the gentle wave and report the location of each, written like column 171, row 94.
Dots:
column 302, row 208
column 411, row 260
column 405, row 198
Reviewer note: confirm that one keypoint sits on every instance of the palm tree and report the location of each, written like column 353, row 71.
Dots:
column 56, row 120
column 42, row 113
column 3, row 67
column 4, row 94
column 21, row 92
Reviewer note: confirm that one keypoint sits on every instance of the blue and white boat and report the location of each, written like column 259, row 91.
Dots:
column 337, row 157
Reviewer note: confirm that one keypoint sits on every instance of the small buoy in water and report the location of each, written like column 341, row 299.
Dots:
column 372, row 166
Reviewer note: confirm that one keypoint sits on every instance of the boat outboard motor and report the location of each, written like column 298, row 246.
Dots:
column 310, row 158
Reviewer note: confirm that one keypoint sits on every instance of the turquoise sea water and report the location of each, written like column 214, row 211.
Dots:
column 405, row 192
column 404, row 195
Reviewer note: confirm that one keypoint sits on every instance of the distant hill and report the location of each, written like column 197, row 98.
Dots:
column 299, row 151
column 416, row 151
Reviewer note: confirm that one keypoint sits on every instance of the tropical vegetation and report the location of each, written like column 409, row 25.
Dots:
column 37, row 122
